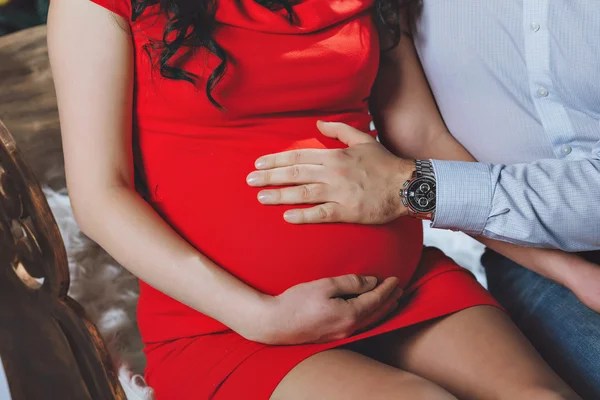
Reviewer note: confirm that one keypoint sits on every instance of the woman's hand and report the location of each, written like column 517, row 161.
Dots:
column 571, row 270
column 325, row 310
column 576, row 273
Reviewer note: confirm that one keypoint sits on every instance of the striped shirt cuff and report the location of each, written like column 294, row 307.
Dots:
column 464, row 196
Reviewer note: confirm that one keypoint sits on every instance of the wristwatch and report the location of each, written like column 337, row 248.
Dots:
column 418, row 193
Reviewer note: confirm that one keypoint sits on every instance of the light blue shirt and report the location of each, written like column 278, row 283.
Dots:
column 518, row 84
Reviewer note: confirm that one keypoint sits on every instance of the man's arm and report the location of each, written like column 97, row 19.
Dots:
column 548, row 203
column 360, row 184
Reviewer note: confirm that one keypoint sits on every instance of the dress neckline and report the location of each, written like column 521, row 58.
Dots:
column 311, row 15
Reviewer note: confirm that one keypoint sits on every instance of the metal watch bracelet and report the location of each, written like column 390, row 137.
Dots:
column 424, row 168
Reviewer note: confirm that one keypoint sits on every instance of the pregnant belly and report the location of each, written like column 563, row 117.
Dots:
column 203, row 195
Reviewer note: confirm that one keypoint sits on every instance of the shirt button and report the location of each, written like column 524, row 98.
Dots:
column 535, row 26
column 542, row 92
column 566, row 149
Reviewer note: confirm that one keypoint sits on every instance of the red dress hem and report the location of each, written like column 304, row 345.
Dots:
column 252, row 371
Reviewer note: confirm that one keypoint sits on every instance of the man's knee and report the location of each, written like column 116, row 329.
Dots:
column 563, row 330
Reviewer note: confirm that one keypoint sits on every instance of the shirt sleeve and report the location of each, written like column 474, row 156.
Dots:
column 120, row 7
column 547, row 203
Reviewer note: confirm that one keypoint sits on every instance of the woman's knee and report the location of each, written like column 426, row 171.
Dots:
column 345, row 375
column 420, row 389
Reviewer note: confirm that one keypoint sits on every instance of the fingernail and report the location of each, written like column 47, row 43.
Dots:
column 265, row 197
column 292, row 216
column 371, row 280
column 260, row 163
column 252, row 179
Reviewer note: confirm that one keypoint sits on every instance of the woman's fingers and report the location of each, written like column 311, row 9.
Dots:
column 303, row 194
column 369, row 302
column 358, row 313
column 294, row 175
column 391, row 305
column 335, row 317
column 348, row 285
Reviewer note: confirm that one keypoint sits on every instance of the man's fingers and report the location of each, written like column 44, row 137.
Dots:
column 296, row 174
column 303, row 194
column 349, row 285
column 335, row 130
column 368, row 302
column 323, row 213
column 344, row 133
column 292, row 157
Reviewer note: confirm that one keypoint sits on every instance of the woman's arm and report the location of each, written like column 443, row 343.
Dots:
column 92, row 63
column 91, row 55
column 403, row 109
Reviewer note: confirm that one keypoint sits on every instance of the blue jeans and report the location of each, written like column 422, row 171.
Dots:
column 564, row 331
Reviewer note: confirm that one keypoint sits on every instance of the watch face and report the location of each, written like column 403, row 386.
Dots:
column 421, row 194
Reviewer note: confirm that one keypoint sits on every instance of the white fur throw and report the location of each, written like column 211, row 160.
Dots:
column 109, row 295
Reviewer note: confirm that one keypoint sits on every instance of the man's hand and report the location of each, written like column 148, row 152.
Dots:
column 359, row 184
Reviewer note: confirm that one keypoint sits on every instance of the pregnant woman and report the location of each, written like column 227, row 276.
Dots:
column 235, row 302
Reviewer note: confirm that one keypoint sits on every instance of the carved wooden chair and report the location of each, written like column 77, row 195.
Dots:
column 48, row 348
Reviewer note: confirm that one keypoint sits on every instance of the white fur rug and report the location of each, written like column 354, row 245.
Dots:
column 109, row 293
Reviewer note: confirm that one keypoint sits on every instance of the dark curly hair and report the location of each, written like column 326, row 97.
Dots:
column 191, row 24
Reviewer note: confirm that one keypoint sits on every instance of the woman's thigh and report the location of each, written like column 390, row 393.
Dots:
column 477, row 353
column 343, row 374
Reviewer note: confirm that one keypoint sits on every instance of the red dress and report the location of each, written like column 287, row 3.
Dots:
column 281, row 78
